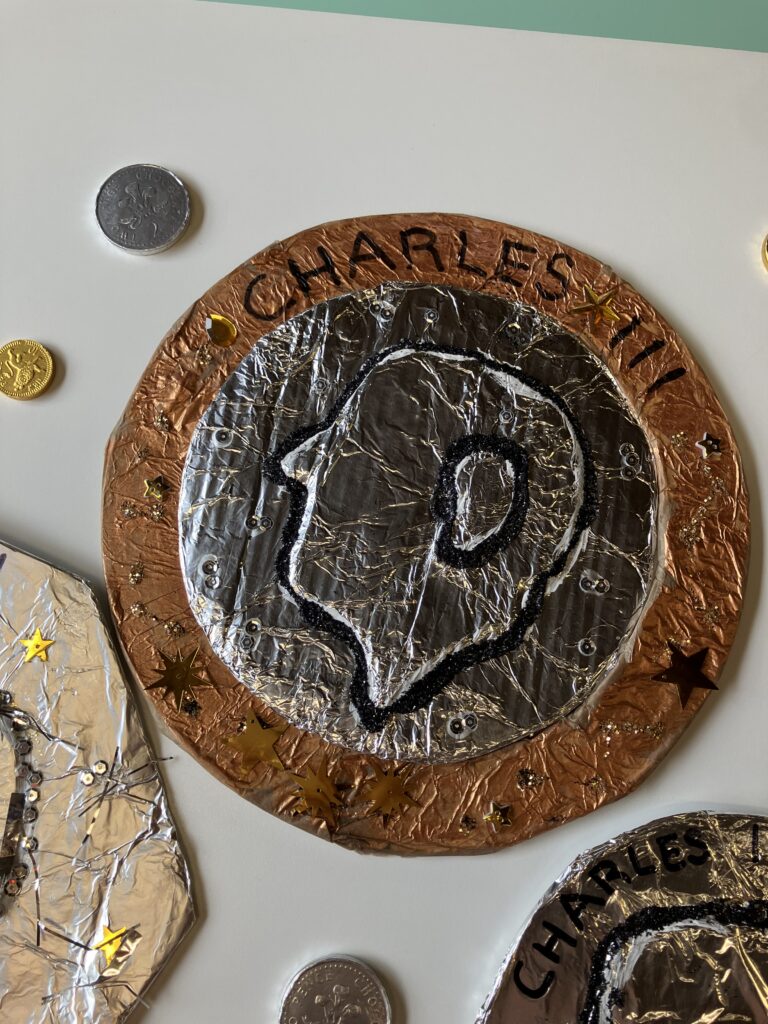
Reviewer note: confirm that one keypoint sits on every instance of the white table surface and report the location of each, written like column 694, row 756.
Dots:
column 652, row 157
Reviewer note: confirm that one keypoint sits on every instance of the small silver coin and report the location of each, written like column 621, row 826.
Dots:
column 338, row 989
column 143, row 208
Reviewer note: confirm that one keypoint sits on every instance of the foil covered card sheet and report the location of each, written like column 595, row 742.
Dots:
column 666, row 923
column 425, row 533
column 435, row 522
column 94, row 888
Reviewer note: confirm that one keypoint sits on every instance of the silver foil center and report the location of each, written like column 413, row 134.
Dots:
column 412, row 506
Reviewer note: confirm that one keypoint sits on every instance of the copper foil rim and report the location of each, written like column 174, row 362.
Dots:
column 597, row 754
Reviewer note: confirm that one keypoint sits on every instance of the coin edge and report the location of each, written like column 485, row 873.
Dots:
column 51, row 375
column 166, row 245
column 347, row 959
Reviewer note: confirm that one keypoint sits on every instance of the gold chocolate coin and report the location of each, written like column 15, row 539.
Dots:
column 26, row 369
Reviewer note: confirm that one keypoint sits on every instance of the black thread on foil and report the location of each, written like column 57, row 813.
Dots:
column 752, row 913
column 372, row 716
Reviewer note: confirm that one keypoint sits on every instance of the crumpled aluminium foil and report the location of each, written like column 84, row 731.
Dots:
column 668, row 923
column 94, row 889
column 364, row 398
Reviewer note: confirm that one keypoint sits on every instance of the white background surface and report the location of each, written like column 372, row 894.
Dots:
column 651, row 157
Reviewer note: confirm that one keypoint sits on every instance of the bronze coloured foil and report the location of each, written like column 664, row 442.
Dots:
column 260, row 397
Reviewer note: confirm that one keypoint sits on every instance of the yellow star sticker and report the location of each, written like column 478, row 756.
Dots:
column 36, row 647
column 599, row 306
column 499, row 816
column 111, row 943
column 387, row 792
column 317, row 794
column 178, row 677
column 256, row 742
column 156, row 488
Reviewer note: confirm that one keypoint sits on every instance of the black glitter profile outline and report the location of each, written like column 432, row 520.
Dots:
column 445, row 501
column 752, row 913
column 434, row 682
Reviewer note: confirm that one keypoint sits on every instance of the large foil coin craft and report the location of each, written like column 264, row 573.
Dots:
column 665, row 923
column 425, row 533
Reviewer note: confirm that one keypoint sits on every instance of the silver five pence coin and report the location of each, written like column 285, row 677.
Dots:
column 336, row 990
column 143, row 208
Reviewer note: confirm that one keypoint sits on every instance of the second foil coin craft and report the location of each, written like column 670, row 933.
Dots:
column 425, row 533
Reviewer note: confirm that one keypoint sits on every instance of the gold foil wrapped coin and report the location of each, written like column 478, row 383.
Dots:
column 26, row 369
column 454, row 538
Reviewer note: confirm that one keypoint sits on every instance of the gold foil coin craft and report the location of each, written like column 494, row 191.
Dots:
column 438, row 538
column 26, row 369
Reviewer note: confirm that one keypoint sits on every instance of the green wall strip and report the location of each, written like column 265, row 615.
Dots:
column 733, row 24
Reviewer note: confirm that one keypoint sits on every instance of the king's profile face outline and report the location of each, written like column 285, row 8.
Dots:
column 296, row 464
column 618, row 951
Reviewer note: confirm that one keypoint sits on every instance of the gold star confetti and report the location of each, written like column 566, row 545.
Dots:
column 317, row 795
column 709, row 446
column 37, row 647
column 256, row 742
column 111, row 943
column 499, row 816
column 156, row 488
column 598, row 307
column 685, row 672
column 178, row 677
column 387, row 792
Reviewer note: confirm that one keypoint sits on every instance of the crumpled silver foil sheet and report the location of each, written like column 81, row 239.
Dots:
column 94, row 890
column 364, row 398
column 664, row 925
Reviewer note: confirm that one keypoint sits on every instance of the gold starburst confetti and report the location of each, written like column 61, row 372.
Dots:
column 317, row 795
column 387, row 793
column 178, row 677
